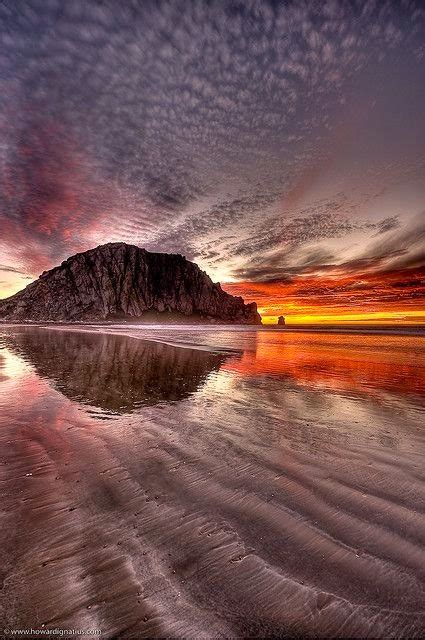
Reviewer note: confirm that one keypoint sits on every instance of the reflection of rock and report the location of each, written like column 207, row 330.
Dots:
column 116, row 373
column 281, row 321
column 118, row 281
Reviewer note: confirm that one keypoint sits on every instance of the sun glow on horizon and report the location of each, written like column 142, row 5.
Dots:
column 366, row 298
column 390, row 318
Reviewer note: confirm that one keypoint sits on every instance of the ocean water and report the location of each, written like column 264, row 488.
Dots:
column 213, row 482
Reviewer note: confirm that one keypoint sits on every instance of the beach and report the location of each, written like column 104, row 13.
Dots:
column 213, row 482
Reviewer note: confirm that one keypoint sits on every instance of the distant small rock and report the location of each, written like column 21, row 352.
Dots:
column 281, row 321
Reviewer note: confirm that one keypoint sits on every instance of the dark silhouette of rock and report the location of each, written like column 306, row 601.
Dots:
column 117, row 282
column 114, row 373
column 281, row 321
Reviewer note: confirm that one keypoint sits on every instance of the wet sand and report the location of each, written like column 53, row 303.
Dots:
column 236, row 502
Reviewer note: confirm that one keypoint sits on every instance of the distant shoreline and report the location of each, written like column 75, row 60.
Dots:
column 415, row 330
column 393, row 330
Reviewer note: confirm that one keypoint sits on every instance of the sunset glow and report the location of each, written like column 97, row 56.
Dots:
column 366, row 298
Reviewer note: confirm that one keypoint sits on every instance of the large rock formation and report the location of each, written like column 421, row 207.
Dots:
column 118, row 281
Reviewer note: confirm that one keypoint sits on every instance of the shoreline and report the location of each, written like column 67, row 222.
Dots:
column 391, row 330
column 93, row 329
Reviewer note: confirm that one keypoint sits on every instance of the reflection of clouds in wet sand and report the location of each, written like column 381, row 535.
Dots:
column 356, row 363
column 11, row 366
column 311, row 419
column 223, row 515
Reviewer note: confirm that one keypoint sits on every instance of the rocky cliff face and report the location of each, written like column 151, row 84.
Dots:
column 123, row 282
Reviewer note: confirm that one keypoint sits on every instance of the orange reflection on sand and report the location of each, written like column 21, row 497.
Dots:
column 340, row 362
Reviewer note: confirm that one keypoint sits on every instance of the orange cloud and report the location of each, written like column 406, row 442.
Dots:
column 397, row 295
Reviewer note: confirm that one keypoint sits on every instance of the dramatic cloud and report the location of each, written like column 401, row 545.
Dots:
column 9, row 269
column 264, row 139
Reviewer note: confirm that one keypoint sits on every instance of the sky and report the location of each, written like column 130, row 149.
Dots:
column 280, row 145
